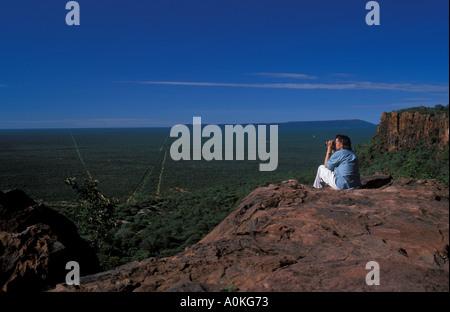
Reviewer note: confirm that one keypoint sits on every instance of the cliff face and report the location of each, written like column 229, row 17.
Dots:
column 292, row 237
column 400, row 130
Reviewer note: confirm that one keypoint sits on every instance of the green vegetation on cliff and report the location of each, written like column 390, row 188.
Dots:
column 419, row 162
column 437, row 110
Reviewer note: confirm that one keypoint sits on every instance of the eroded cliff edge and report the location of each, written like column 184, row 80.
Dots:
column 406, row 129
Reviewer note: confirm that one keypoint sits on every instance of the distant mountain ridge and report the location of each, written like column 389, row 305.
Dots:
column 344, row 123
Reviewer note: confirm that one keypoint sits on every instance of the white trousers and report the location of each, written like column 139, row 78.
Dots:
column 325, row 175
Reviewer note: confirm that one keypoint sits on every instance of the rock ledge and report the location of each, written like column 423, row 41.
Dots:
column 292, row 237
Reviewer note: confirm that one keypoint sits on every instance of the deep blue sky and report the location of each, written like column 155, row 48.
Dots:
column 161, row 62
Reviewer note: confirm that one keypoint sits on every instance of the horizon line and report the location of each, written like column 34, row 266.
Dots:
column 165, row 127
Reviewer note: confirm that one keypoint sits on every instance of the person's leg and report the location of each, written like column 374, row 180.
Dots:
column 318, row 180
column 325, row 175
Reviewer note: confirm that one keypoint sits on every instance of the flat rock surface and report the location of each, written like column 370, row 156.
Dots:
column 292, row 237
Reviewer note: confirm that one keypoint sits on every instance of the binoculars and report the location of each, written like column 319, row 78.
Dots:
column 333, row 145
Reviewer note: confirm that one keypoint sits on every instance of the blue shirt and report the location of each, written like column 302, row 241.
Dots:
column 345, row 165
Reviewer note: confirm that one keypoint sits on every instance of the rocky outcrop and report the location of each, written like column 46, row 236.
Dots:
column 292, row 237
column 36, row 242
column 399, row 130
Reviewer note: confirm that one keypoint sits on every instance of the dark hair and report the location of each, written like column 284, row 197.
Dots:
column 345, row 140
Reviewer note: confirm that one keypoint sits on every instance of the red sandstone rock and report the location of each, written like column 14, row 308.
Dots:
column 36, row 242
column 408, row 129
column 292, row 237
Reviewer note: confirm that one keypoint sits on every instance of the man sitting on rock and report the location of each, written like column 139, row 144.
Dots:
column 341, row 168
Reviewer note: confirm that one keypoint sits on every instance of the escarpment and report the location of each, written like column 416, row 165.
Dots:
column 400, row 130
column 409, row 143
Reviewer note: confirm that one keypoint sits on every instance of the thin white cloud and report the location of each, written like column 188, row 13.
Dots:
column 355, row 85
column 418, row 99
column 341, row 75
column 408, row 87
column 285, row 75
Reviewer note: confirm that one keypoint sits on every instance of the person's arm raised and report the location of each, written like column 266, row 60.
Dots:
column 329, row 144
